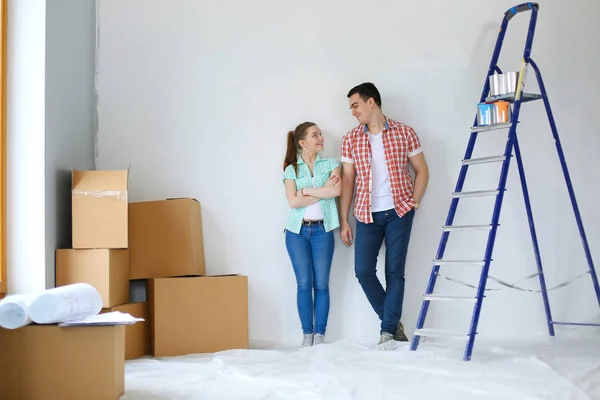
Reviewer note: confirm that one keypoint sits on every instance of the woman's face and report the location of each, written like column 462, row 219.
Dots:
column 313, row 141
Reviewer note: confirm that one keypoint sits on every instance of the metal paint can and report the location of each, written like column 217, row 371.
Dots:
column 501, row 112
column 485, row 114
column 502, row 84
column 511, row 80
column 494, row 81
column 498, row 85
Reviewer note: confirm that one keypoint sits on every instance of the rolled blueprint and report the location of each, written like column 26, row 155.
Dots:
column 66, row 303
column 14, row 311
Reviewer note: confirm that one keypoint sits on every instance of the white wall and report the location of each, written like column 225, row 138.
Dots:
column 198, row 97
column 70, row 113
column 51, row 59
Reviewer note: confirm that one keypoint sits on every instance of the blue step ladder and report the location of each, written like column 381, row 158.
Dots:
column 516, row 99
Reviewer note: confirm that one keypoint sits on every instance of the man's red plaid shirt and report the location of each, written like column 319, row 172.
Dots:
column 400, row 142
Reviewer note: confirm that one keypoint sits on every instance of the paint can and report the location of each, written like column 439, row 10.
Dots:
column 498, row 85
column 502, row 84
column 494, row 81
column 501, row 112
column 511, row 80
column 485, row 114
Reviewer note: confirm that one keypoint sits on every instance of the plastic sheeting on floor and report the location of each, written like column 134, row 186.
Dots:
column 532, row 368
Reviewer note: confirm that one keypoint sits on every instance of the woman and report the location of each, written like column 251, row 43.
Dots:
column 311, row 185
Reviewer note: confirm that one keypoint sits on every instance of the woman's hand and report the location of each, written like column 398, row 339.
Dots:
column 332, row 181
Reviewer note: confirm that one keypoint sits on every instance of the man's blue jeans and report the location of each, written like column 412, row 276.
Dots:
column 311, row 253
column 388, row 226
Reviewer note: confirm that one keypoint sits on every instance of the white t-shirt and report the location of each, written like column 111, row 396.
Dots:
column 381, row 191
column 314, row 212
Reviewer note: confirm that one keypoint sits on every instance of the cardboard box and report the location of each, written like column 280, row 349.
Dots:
column 165, row 239
column 198, row 314
column 42, row 362
column 106, row 270
column 137, row 336
column 99, row 207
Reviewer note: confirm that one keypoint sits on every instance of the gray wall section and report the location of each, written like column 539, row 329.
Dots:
column 70, row 113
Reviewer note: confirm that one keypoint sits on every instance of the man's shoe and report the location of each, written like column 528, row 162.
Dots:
column 400, row 336
column 385, row 337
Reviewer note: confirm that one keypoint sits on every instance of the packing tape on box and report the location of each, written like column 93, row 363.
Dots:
column 119, row 194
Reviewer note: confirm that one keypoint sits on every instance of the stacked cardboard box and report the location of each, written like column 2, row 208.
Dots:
column 117, row 243
column 51, row 362
column 189, row 312
column 100, row 249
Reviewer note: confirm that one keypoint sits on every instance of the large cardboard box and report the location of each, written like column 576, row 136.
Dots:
column 99, row 208
column 198, row 314
column 43, row 362
column 106, row 270
column 165, row 239
column 137, row 336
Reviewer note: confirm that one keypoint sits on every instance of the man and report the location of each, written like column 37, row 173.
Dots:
column 377, row 153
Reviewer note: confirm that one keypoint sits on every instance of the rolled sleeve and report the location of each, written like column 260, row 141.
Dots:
column 414, row 144
column 346, row 151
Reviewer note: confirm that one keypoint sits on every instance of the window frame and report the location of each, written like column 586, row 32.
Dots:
column 3, row 66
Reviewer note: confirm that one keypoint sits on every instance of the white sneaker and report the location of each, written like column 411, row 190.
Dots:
column 386, row 337
column 318, row 339
column 307, row 340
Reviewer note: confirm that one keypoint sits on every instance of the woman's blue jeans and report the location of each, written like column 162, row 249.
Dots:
column 311, row 253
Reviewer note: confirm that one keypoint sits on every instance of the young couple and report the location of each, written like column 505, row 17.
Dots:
column 375, row 158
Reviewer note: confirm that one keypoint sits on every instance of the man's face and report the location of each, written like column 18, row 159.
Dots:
column 361, row 110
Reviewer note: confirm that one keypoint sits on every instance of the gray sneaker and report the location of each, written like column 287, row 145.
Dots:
column 318, row 339
column 400, row 336
column 307, row 340
column 385, row 337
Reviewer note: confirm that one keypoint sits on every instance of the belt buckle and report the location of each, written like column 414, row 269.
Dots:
column 308, row 222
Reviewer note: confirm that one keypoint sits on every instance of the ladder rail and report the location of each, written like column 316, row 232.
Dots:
column 534, row 240
column 489, row 247
column 493, row 67
column 504, row 173
column 565, row 169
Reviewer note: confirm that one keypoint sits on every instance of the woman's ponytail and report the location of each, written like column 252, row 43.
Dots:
column 291, row 154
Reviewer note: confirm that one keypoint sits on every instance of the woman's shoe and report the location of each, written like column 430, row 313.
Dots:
column 307, row 340
column 318, row 339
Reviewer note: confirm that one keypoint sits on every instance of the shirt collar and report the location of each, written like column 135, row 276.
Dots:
column 387, row 126
column 301, row 161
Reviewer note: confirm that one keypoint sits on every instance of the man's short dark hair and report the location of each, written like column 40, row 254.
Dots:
column 365, row 91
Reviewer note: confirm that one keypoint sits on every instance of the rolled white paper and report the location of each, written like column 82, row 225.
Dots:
column 14, row 311
column 66, row 303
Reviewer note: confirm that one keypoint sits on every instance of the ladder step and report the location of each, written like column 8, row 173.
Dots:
column 443, row 297
column 485, row 128
column 483, row 160
column 453, row 228
column 472, row 263
column 439, row 333
column 574, row 323
column 476, row 193
column 510, row 97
